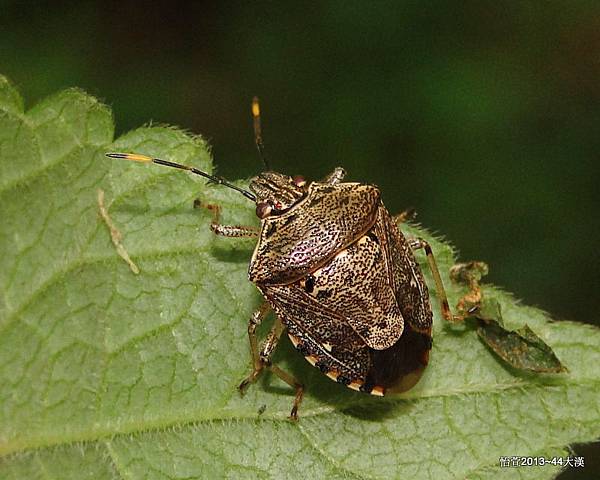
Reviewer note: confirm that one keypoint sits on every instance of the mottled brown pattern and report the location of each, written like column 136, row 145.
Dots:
column 355, row 284
column 319, row 328
column 348, row 315
column 328, row 219
column 405, row 275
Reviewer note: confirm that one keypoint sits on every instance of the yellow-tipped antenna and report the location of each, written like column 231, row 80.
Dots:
column 257, row 131
column 136, row 157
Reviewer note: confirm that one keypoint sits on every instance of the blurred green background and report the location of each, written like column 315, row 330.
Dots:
column 483, row 115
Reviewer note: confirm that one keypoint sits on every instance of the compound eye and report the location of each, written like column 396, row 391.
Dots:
column 263, row 209
column 299, row 180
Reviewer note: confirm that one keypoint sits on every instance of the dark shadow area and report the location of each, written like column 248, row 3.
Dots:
column 376, row 410
column 591, row 463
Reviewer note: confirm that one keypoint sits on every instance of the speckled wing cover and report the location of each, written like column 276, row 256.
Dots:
column 405, row 274
column 326, row 221
column 355, row 305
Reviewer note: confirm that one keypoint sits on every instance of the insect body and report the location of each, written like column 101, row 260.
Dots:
column 343, row 281
column 340, row 277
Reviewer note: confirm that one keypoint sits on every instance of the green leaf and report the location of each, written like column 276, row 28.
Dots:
column 109, row 374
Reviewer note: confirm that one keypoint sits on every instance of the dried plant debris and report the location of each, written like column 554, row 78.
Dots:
column 520, row 348
column 115, row 234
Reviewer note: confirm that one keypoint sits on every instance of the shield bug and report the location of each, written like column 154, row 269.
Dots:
column 341, row 278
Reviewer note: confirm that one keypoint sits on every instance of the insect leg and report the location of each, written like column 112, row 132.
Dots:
column 292, row 382
column 416, row 243
column 225, row 230
column 262, row 359
column 408, row 214
column 265, row 356
column 336, row 176
column 268, row 346
column 257, row 364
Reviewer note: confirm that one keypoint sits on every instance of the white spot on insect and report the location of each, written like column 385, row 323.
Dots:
column 311, row 359
column 377, row 390
column 333, row 375
column 355, row 385
column 364, row 239
column 327, row 346
column 342, row 254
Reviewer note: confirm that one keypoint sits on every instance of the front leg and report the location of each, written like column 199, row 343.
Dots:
column 226, row 230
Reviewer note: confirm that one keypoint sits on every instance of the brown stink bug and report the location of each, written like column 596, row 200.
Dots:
column 340, row 276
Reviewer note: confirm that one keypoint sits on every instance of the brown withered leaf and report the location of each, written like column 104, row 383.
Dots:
column 520, row 348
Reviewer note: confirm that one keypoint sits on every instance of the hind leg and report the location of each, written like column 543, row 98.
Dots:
column 418, row 243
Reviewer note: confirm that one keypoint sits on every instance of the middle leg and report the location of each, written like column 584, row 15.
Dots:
column 261, row 359
column 336, row 176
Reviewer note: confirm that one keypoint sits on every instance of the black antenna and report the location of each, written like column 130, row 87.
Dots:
column 136, row 157
column 258, row 132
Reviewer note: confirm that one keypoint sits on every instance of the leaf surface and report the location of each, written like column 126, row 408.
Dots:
column 108, row 374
